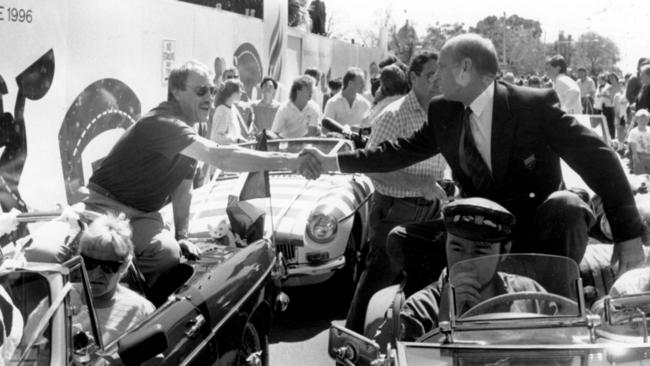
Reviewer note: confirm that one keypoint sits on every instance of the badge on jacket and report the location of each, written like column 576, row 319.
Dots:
column 529, row 162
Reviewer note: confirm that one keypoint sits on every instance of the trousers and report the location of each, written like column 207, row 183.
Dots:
column 385, row 213
column 156, row 249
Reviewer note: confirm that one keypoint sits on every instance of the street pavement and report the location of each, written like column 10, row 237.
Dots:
column 299, row 335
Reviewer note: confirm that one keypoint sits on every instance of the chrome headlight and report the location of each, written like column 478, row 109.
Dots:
column 321, row 228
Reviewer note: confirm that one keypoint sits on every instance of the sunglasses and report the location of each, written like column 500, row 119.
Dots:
column 232, row 77
column 204, row 89
column 106, row 266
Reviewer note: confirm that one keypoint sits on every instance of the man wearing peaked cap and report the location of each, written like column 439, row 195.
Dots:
column 478, row 219
column 475, row 227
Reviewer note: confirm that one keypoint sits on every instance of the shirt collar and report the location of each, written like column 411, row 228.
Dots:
column 411, row 101
column 481, row 102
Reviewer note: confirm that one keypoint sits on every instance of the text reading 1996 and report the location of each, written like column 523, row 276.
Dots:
column 15, row 15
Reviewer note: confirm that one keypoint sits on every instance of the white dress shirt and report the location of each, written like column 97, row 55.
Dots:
column 568, row 92
column 481, row 123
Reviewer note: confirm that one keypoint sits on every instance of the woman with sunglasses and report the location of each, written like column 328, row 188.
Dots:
column 107, row 251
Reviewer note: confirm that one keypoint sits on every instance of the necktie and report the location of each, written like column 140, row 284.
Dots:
column 471, row 160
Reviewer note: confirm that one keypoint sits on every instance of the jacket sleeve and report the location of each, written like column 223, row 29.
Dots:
column 389, row 156
column 419, row 313
column 596, row 163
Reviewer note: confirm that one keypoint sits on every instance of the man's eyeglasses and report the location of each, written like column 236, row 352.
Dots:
column 228, row 77
column 204, row 89
column 106, row 266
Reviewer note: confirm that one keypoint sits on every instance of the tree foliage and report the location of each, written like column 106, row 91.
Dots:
column 403, row 42
column 438, row 34
column 298, row 15
column 595, row 52
column 523, row 51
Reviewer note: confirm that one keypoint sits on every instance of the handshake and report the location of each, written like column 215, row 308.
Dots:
column 311, row 163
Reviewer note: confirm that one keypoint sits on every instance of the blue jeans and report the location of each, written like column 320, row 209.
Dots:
column 385, row 213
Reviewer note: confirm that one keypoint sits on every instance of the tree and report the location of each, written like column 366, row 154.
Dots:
column 525, row 55
column 595, row 52
column 438, row 34
column 523, row 46
column 403, row 42
column 371, row 36
column 565, row 47
column 298, row 16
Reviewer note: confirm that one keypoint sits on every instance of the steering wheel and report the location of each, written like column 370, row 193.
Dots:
column 564, row 305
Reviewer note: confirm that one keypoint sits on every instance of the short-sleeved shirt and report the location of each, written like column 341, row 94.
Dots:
column 145, row 166
column 338, row 109
column 641, row 139
column 402, row 118
column 291, row 122
column 569, row 93
column 419, row 313
column 587, row 87
column 128, row 310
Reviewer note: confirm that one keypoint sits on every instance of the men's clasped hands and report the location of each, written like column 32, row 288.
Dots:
column 312, row 163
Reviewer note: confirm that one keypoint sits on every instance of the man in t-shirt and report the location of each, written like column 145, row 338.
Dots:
column 639, row 141
column 153, row 164
column 299, row 116
column 349, row 106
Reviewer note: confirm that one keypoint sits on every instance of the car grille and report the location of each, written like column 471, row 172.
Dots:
column 288, row 251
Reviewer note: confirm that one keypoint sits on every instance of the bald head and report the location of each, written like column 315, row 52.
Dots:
column 478, row 49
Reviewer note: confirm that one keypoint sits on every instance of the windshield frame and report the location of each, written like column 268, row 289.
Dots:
column 51, row 274
column 74, row 264
column 456, row 323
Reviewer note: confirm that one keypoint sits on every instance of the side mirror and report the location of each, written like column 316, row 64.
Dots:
column 351, row 348
column 142, row 345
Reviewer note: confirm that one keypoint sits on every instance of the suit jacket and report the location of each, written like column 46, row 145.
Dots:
column 529, row 135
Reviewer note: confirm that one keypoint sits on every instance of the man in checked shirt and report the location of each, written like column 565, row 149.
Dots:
column 402, row 196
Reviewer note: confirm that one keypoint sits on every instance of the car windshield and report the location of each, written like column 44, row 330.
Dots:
column 24, row 300
column 514, row 286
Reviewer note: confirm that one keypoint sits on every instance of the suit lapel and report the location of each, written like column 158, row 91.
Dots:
column 503, row 130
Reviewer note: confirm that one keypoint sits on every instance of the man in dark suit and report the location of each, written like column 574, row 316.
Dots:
column 512, row 156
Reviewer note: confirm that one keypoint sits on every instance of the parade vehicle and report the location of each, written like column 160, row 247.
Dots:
column 515, row 326
column 319, row 226
column 217, row 309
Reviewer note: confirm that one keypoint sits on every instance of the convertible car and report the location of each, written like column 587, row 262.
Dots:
column 215, row 310
column 318, row 225
column 538, row 317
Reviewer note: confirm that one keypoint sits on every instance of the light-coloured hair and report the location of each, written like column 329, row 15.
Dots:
column 478, row 49
column 108, row 232
column 642, row 113
column 178, row 76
